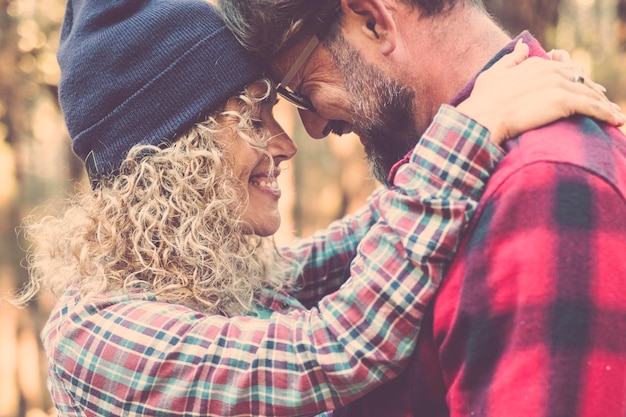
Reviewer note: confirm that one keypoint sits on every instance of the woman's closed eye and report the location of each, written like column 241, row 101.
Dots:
column 257, row 124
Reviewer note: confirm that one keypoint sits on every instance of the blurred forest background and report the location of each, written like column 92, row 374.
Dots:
column 327, row 179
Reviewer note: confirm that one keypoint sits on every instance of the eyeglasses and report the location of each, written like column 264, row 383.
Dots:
column 298, row 100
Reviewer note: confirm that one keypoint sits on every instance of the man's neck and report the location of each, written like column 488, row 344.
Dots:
column 458, row 46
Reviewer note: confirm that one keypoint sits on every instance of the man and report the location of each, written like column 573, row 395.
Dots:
column 531, row 317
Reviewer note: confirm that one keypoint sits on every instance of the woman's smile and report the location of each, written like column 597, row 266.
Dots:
column 267, row 182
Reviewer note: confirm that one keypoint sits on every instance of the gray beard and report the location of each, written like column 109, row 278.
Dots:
column 382, row 112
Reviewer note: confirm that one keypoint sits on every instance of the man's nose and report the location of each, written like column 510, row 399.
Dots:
column 316, row 126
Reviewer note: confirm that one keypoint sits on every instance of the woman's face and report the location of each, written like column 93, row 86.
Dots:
column 253, row 167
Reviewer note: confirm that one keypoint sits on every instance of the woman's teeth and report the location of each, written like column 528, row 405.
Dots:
column 271, row 184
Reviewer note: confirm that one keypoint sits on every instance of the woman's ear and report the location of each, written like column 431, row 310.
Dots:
column 375, row 20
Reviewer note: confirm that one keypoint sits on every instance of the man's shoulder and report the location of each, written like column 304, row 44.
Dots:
column 595, row 148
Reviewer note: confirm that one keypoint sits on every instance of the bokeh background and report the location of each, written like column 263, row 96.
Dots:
column 327, row 179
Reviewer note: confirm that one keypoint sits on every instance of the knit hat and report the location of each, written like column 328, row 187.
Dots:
column 142, row 72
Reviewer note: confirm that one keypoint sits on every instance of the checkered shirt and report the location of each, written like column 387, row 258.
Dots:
column 130, row 354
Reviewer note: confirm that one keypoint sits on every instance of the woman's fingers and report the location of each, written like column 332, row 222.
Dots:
column 517, row 56
column 586, row 98
column 513, row 96
column 560, row 55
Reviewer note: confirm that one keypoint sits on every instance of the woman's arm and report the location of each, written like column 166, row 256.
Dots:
column 322, row 260
column 150, row 357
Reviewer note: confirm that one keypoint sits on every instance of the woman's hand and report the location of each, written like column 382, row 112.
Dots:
column 519, row 93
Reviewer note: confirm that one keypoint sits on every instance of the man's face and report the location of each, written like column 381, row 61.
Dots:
column 349, row 94
column 382, row 109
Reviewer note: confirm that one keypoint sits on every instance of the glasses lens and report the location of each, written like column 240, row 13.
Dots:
column 296, row 99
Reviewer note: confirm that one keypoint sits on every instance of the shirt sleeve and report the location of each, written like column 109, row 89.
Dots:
column 539, row 327
column 143, row 357
column 322, row 260
column 454, row 151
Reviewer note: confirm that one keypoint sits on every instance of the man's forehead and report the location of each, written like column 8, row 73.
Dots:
column 316, row 63
column 282, row 62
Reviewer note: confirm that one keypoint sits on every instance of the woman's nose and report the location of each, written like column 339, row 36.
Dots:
column 281, row 146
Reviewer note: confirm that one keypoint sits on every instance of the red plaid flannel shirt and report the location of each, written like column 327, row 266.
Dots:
column 531, row 317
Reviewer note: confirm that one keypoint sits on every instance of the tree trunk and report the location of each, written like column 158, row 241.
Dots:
column 537, row 16
column 621, row 25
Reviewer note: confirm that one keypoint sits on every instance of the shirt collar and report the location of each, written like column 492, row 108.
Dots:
column 535, row 50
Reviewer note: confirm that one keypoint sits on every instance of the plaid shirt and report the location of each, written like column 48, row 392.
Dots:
column 531, row 317
column 130, row 354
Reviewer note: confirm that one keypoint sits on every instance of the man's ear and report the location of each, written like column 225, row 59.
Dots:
column 376, row 21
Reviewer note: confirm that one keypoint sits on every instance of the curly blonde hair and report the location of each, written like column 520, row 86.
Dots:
column 167, row 223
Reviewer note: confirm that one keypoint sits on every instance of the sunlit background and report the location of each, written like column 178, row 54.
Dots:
column 327, row 179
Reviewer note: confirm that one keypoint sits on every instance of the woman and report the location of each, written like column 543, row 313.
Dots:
column 171, row 300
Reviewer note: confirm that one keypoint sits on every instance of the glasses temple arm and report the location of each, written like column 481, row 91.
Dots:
column 304, row 56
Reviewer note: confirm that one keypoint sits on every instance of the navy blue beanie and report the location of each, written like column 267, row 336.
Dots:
column 142, row 72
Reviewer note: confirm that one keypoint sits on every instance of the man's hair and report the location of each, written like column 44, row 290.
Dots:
column 268, row 27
